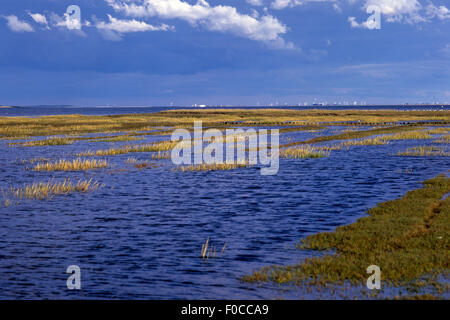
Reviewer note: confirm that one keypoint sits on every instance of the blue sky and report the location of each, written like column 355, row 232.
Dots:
column 162, row 52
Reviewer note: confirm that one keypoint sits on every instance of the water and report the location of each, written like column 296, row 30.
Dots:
column 140, row 235
column 107, row 110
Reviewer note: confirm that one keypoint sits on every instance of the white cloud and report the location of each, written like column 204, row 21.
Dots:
column 257, row 3
column 124, row 26
column 408, row 11
column 368, row 24
column 441, row 12
column 114, row 29
column 215, row 18
column 398, row 10
column 17, row 25
column 39, row 18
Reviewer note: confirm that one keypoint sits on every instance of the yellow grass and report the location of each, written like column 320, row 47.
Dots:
column 209, row 250
column 131, row 160
column 212, row 167
column 45, row 142
column 46, row 190
column 366, row 142
column 74, row 165
column 161, row 155
column 409, row 135
column 78, row 124
column 150, row 147
column 303, row 152
column 438, row 130
column 424, row 151
column 444, row 139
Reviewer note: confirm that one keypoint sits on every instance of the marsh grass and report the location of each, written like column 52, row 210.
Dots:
column 443, row 139
column 144, row 164
column 424, row 151
column 161, row 155
column 34, row 160
column 212, row 167
column 49, row 189
column 443, row 130
column 209, row 250
column 409, row 135
column 304, row 152
column 119, row 139
column 131, row 160
column 356, row 135
column 411, row 251
column 150, row 147
column 45, row 142
column 20, row 127
column 74, row 165
column 381, row 140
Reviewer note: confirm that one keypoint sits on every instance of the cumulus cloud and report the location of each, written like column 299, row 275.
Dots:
column 398, row 10
column 68, row 22
column 441, row 12
column 16, row 25
column 39, row 18
column 215, row 18
column 408, row 11
column 114, row 29
column 124, row 26
column 257, row 3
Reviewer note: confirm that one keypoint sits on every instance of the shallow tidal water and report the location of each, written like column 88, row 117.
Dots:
column 140, row 235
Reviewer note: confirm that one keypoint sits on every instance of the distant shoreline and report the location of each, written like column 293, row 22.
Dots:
column 240, row 106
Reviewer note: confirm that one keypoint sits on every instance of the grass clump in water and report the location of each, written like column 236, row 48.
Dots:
column 161, row 155
column 212, row 167
column 304, row 152
column 119, row 138
column 423, row 151
column 209, row 250
column 74, row 165
column 408, row 238
column 151, row 147
column 45, row 142
column 444, row 139
column 367, row 142
column 46, row 190
column 410, row 135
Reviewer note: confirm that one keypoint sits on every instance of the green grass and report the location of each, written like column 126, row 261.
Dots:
column 408, row 238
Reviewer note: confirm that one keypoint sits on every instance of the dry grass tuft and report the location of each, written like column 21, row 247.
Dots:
column 74, row 165
column 45, row 142
column 212, row 167
column 161, row 155
column 424, row 151
column 304, row 152
column 151, row 147
column 46, row 190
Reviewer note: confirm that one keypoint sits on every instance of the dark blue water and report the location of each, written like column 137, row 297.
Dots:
column 140, row 235
column 55, row 110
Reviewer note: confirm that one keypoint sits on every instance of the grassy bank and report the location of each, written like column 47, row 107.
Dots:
column 407, row 238
column 17, row 127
